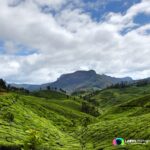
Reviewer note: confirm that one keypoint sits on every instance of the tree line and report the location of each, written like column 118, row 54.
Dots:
column 49, row 88
column 125, row 84
column 7, row 87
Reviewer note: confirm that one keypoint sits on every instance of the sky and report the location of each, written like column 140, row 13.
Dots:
column 42, row 39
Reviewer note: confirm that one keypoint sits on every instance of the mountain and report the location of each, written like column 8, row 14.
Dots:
column 79, row 80
column 83, row 80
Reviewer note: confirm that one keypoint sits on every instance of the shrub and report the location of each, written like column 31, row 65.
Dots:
column 9, row 117
column 33, row 141
column 90, row 109
column 10, row 147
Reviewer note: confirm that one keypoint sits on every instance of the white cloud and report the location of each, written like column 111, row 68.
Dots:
column 127, row 19
column 70, row 41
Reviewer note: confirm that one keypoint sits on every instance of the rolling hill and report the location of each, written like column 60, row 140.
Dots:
column 51, row 120
column 47, row 120
column 124, row 113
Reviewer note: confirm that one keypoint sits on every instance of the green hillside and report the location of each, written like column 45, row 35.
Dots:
column 50, row 120
column 124, row 113
column 22, row 116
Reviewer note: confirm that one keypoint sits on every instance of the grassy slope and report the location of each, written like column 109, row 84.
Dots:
column 126, row 114
column 51, row 118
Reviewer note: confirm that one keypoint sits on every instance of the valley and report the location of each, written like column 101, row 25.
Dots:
column 52, row 120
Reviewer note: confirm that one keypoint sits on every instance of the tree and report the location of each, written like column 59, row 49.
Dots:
column 63, row 91
column 8, row 87
column 90, row 109
column 48, row 87
column 120, row 85
column 142, row 82
column 2, row 84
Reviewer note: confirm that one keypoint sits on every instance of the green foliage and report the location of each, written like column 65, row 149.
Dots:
column 85, row 122
column 11, row 147
column 33, row 142
column 143, row 82
column 8, row 116
column 19, row 90
column 54, row 121
column 51, row 117
column 120, row 85
column 125, row 114
column 80, row 134
column 90, row 109
column 50, row 94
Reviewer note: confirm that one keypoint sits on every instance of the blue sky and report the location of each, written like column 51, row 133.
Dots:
column 42, row 39
column 142, row 19
column 20, row 50
column 116, row 6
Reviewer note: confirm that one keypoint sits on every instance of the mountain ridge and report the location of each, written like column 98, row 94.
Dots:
column 78, row 80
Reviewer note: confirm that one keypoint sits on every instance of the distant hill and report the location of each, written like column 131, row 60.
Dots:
column 29, row 87
column 79, row 80
column 83, row 80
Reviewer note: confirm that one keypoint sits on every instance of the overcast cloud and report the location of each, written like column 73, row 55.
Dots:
column 38, row 46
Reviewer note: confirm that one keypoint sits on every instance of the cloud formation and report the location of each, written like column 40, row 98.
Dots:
column 70, row 40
